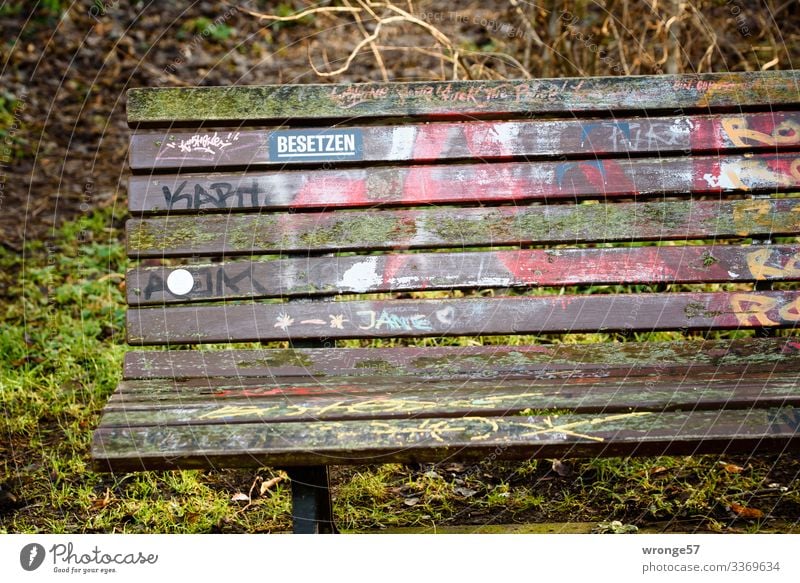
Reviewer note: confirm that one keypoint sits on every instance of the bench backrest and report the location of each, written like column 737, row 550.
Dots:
column 364, row 191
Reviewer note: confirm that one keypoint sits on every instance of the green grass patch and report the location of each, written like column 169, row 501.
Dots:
column 61, row 349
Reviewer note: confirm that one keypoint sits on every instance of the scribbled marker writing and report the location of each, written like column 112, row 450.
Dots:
column 314, row 145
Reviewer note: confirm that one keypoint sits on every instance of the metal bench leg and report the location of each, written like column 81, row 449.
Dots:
column 312, row 512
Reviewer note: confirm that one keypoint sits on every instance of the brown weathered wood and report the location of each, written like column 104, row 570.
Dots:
column 338, row 399
column 482, row 182
column 484, row 140
column 299, row 104
column 433, row 439
column 495, row 269
column 459, row 399
column 390, row 229
column 564, row 361
column 180, row 391
column 459, row 317
column 320, row 406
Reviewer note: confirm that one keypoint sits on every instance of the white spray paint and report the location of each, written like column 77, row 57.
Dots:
column 361, row 276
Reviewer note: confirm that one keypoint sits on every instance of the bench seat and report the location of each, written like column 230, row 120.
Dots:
column 414, row 260
column 339, row 406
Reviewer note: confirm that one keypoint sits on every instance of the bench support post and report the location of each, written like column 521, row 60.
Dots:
column 312, row 511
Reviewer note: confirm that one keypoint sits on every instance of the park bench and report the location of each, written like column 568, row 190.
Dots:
column 513, row 213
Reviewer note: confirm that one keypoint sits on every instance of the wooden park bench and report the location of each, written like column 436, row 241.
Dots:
column 509, row 212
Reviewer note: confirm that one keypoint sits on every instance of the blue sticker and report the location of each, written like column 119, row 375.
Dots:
column 316, row 145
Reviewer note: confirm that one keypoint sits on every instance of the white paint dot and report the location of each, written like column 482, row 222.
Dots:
column 180, row 282
column 362, row 276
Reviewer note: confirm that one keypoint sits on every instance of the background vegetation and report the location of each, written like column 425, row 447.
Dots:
column 65, row 68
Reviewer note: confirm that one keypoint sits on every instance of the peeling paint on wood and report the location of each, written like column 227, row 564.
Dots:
column 499, row 182
column 434, row 271
column 485, row 140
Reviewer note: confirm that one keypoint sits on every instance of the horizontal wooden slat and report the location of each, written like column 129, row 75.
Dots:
column 397, row 398
column 456, row 317
column 392, row 229
column 377, row 384
column 435, row 439
column 462, row 184
column 484, row 140
column 287, row 103
column 491, row 269
column 535, row 361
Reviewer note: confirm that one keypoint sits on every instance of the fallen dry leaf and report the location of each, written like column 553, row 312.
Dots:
column 746, row 512
column 100, row 503
column 732, row 468
column 269, row 484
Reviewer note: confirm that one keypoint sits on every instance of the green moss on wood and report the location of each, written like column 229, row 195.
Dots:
column 285, row 102
column 279, row 358
column 157, row 235
column 486, row 228
column 699, row 309
column 709, row 259
column 377, row 365
column 262, row 232
column 360, row 229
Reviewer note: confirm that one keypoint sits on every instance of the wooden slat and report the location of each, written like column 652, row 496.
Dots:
column 571, row 361
column 457, row 317
column 433, row 439
column 285, row 103
column 485, row 140
column 462, row 184
column 372, row 230
column 398, row 398
column 377, row 384
column 491, row 269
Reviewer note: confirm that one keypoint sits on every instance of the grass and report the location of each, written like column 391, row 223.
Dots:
column 61, row 354
column 61, row 351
